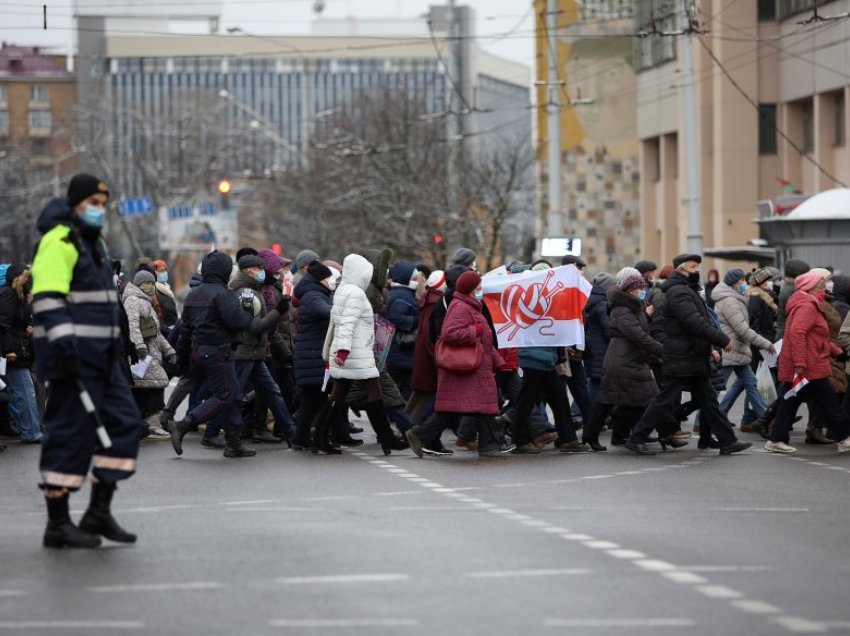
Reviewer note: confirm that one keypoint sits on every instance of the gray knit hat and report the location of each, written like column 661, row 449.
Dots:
column 604, row 280
column 143, row 276
column 733, row 276
column 463, row 256
column 304, row 258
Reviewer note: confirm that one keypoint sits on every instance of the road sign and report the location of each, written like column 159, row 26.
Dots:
column 561, row 246
column 136, row 206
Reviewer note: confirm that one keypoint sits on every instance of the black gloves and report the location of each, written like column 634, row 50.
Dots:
column 142, row 352
column 282, row 305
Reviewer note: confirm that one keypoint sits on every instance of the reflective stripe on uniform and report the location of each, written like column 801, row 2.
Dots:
column 114, row 463
column 99, row 296
column 43, row 305
column 63, row 480
column 69, row 329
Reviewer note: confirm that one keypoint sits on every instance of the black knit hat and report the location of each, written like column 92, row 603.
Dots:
column 645, row 266
column 245, row 251
column 318, row 271
column 251, row 260
column 684, row 258
column 84, row 185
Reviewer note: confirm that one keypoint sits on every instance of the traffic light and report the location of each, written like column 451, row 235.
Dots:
column 224, row 193
column 438, row 239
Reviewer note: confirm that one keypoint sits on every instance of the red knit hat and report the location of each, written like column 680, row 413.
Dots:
column 468, row 282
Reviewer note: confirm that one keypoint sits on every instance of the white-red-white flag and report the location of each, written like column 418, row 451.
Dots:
column 538, row 309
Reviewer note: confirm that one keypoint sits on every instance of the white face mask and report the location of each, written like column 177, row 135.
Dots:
column 829, row 287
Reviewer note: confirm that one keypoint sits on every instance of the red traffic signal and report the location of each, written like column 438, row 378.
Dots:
column 277, row 249
column 438, row 238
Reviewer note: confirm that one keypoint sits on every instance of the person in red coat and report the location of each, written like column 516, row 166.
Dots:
column 472, row 394
column 806, row 350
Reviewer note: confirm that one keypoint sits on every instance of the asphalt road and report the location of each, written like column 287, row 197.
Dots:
column 685, row 542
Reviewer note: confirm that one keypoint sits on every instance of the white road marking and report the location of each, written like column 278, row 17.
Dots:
column 252, row 502
column 756, row 607
column 576, row 537
column 727, row 568
column 71, row 625
column 157, row 508
column 343, row 578
column 555, row 530
column 398, row 493
column 800, row 625
column 156, row 587
column 8, row 593
column 656, row 565
column 277, row 509
column 761, row 510
column 520, row 573
column 684, row 577
column 619, row 622
column 344, row 622
column 602, row 545
column 627, row 554
column 718, row 591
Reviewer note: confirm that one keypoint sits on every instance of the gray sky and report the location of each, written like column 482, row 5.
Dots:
column 21, row 20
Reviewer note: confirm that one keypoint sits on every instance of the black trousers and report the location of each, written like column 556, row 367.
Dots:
column 657, row 414
column 311, row 401
column 624, row 418
column 816, row 392
column 490, row 434
column 543, row 386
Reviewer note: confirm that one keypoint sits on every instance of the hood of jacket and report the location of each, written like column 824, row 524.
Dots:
column 55, row 212
column 241, row 279
column 841, row 288
column 216, row 268
column 380, row 260
column 768, row 298
column 131, row 291
column 619, row 298
column 723, row 291
column 308, row 284
column 356, row 270
column 196, row 280
column 432, row 296
column 597, row 295
column 799, row 299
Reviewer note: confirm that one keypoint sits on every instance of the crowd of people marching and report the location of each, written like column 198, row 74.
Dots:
column 279, row 350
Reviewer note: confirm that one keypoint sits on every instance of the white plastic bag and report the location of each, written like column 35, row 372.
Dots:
column 765, row 383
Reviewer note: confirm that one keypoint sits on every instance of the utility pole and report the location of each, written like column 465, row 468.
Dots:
column 555, row 220
column 690, row 155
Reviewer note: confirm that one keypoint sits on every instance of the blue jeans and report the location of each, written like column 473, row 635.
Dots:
column 256, row 374
column 22, row 403
column 577, row 383
column 745, row 381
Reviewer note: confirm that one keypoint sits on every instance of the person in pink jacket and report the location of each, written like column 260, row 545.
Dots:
column 806, row 350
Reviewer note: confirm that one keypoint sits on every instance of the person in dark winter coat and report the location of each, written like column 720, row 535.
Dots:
column 840, row 291
column 424, row 378
column 313, row 299
column 165, row 297
column 213, row 321
column 597, row 330
column 16, row 346
column 627, row 380
column 687, row 350
column 806, row 354
column 710, row 283
column 279, row 351
column 403, row 311
column 794, row 267
column 472, row 393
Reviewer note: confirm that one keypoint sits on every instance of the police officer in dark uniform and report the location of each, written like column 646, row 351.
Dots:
column 78, row 337
column 213, row 319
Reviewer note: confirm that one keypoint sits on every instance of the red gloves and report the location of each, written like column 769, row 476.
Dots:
column 340, row 357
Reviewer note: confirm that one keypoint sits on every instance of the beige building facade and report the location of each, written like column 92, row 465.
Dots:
column 792, row 78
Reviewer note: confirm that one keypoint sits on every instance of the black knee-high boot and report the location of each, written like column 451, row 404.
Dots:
column 377, row 415
column 98, row 518
column 324, row 428
column 61, row 531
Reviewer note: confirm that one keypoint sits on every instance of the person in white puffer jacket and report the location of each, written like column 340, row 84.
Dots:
column 351, row 357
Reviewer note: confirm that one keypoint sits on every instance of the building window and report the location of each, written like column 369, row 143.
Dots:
column 840, row 126
column 4, row 121
column 766, row 10
column 40, row 119
column 2, row 94
column 788, row 8
column 652, row 158
column 39, row 94
column 808, row 112
column 767, row 129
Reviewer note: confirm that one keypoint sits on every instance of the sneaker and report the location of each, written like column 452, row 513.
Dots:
column 543, row 440
column 782, row 447
column 442, row 451
column 527, row 449
column 157, row 433
column 843, row 446
column 573, row 447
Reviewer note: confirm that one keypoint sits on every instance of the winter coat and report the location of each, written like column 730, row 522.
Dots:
column 380, row 260
column 469, row 392
column 841, row 294
column 762, row 307
column 844, row 340
column 403, row 312
column 353, row 322
column 627, row 379
column 806, row 343
column 253, row 340
column 785, row 293
column 656, row 321
column 312, row 320
column 833, row 318
column 689, row 333
column 424, row 366
column 15, row 317
column 538, row 358
column 731, row 308
column 143, row 321
column 597, row 331
column 168, row 305
column 212, row 314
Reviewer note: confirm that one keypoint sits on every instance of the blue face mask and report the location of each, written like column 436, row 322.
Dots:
column 742, row 288
column 162, row 277
column 479, row 295
column 641, row 295
column 261, row 276
column 93, row 216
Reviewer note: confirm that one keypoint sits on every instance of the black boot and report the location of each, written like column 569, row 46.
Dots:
column 323, row 433
column 98, row 518
column 61, row 531
column 178, row 430
column 233, row 445
column 377, row 415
